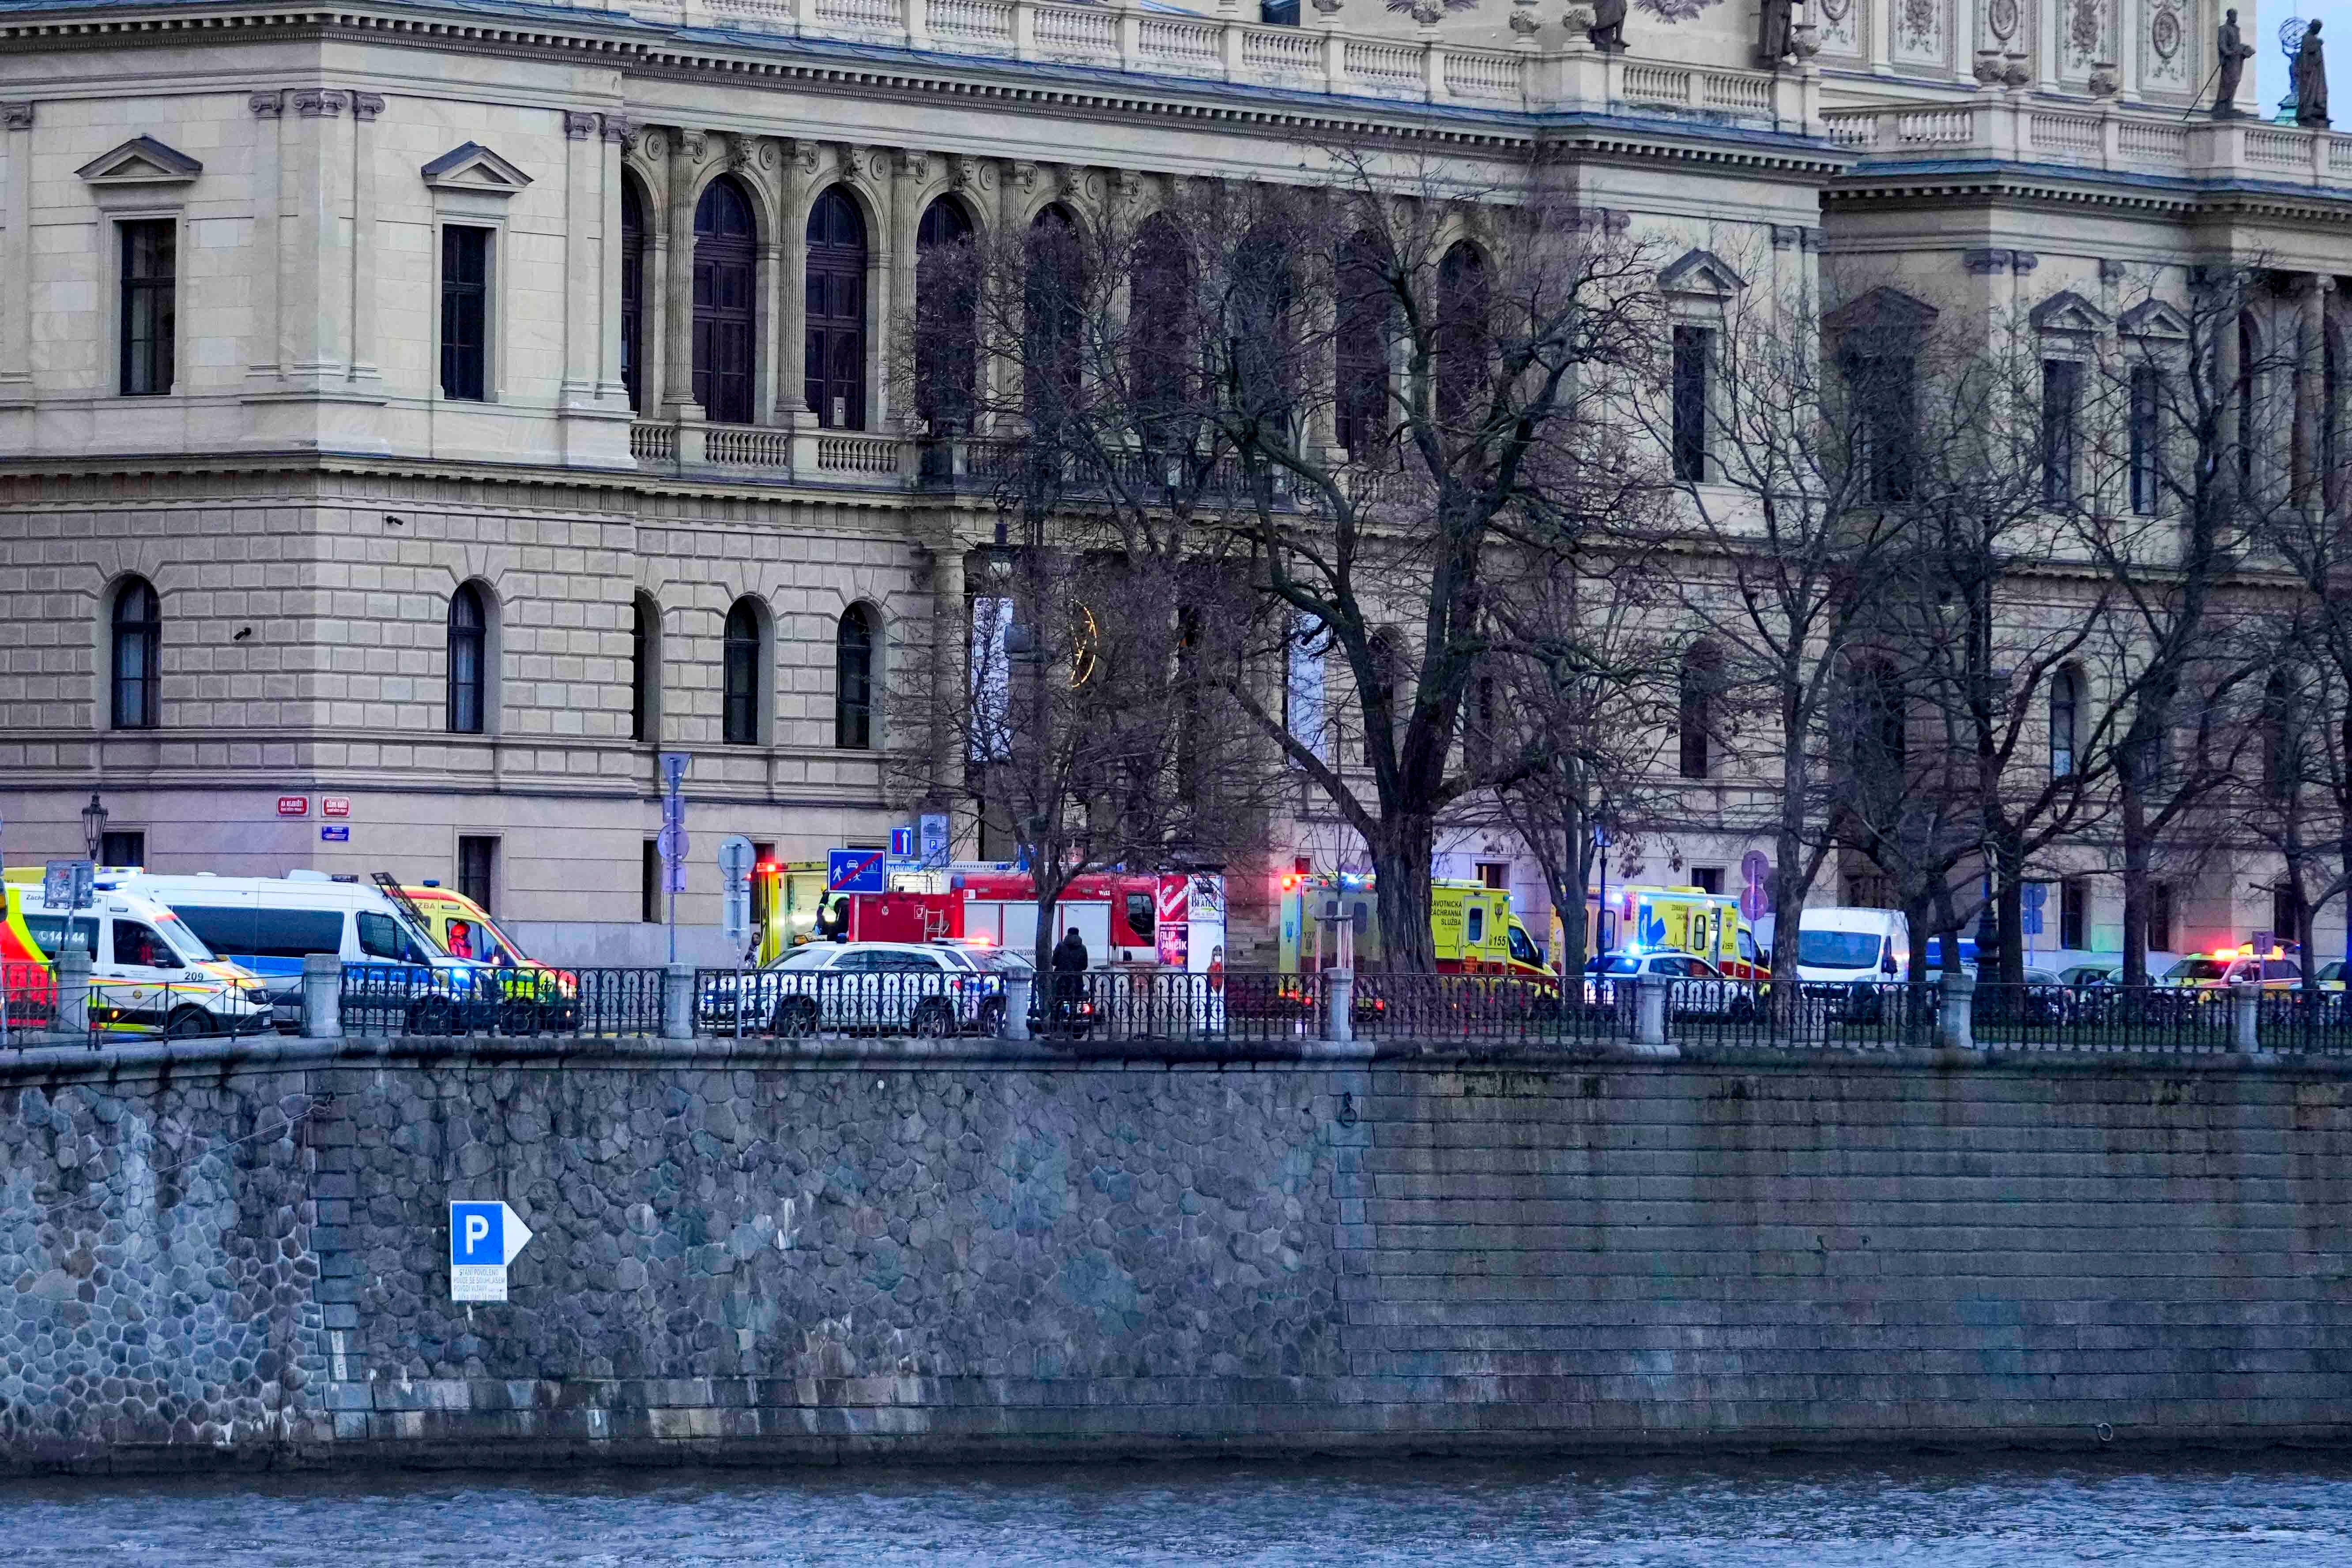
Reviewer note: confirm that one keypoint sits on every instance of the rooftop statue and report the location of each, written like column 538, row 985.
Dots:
column 2311, row 82
column 2231, row 50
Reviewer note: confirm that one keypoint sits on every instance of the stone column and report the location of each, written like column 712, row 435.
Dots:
column 73, row 992
column 1650, row 1010
column 366, row 107
column 585, row 300
column 677, row 1002
column 1339, row 1006
column 678, row 402
column 792, row 258
column 2237, row 420
column 908, row 173
column 947, row 638
column 315, row 269
column 322, row 996
column 610, row 389
column 1955, row 1020
column 2245, row 1016
column 16, row 254
column 2311, row 390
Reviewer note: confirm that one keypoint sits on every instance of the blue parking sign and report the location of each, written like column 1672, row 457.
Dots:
column 478, row 1234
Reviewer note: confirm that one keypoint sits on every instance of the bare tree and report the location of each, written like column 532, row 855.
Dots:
column 1359, row 402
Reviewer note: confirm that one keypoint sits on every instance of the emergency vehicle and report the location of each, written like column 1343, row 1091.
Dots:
column 1470, row 925
column 1688, row 919
column 1165, row 920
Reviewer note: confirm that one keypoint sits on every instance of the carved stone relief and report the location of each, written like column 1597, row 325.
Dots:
column 2169, row 51
column 1921, row 32
column 1841, row 24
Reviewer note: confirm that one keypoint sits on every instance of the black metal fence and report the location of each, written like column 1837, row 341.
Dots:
column 1484, row 1007
column 1862, row 1016
column 44, row 1003
column 410, row 999
column 794, row 1003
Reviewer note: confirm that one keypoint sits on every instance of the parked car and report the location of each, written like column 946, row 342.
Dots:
column 1700, row 989
column 879, row 987
column 2331, row 976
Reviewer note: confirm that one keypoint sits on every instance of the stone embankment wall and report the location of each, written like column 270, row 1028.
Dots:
column 241, row 1254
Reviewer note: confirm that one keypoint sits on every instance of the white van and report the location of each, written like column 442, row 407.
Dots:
column 148, row 971
column 1845, row 946
column 269, row 924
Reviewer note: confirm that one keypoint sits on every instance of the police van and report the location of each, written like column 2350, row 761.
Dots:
column 270, row 924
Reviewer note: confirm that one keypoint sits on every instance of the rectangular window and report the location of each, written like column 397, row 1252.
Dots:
column 2146, row 439
column 2075, row 914
column 150, row 305
column 2284, row 927
column 2160, row 917
column 122, row 849
column 2062, row 396
column 1278, row 13
column 1707, row 878
column 465, row 312
column 1885, row 393
column 477, row 866
column 1694, row 363
column 649, row 883
column 1494, row 874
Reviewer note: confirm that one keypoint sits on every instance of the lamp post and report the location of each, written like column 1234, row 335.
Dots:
column 93, row 825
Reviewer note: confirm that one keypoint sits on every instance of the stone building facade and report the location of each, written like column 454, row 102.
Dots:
column 437, row 369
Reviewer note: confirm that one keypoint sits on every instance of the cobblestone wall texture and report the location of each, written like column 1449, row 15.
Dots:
column 821, row 1260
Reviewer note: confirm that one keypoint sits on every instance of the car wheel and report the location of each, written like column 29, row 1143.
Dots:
column 992, row 1016
column 933, row 1021
column 432, row 1016
column 187, row 1023
column 519, row 1018
column 795, row 1017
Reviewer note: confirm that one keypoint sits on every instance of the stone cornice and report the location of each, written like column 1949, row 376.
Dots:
column 643, row 49
column 1945, row 182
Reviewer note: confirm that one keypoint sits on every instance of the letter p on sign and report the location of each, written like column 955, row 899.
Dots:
column 483, row 1239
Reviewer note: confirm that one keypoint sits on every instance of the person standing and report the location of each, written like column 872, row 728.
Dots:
column 1070, row 962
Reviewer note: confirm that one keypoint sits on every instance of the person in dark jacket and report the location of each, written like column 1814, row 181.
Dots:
column 1070, row 961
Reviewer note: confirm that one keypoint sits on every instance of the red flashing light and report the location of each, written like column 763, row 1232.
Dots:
column 765, row 866
column 1289, row 881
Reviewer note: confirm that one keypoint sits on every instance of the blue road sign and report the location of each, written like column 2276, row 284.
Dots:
column 902, row 843
column 334, row 835
column 478, row 1234
column 854, row 870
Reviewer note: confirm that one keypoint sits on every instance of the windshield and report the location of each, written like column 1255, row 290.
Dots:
column 1614, row 964
column 2196, row 968
column 1838, row 949
column 479, row 939
column 812, row 956
column 182, row 935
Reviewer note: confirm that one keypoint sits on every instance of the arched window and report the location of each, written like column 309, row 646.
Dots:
column 644, row 668
column 1366, row 315
column 1462, row 341
column 853, row 680
column 725, row 245
column 741, row 666
column 137, row 664
column 1259, row 325
column 947, row 317
column 834, row 365
column 1052, row 293
column 632, row 291
column 1702, row 675
column 2065, row 711
column 1159, row 310
column 469, row 648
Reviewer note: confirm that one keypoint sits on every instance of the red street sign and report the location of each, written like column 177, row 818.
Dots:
column 293, row 805
column 335, row 806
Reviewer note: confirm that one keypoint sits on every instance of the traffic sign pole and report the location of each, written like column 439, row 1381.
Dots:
column 673, row 842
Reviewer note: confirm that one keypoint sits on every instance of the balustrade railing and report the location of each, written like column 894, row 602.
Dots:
column 2005, row 127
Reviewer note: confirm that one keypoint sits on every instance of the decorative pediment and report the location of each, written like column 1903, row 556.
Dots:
column 474, row 168
column 1701, row 272
column 1881, row 310
column 2153, row 319
column 2067, row 312
column 141, row 160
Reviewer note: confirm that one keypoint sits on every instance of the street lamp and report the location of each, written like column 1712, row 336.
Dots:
column 93, row 825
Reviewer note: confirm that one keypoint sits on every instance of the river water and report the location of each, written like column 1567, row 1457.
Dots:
column 2015, row 1512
